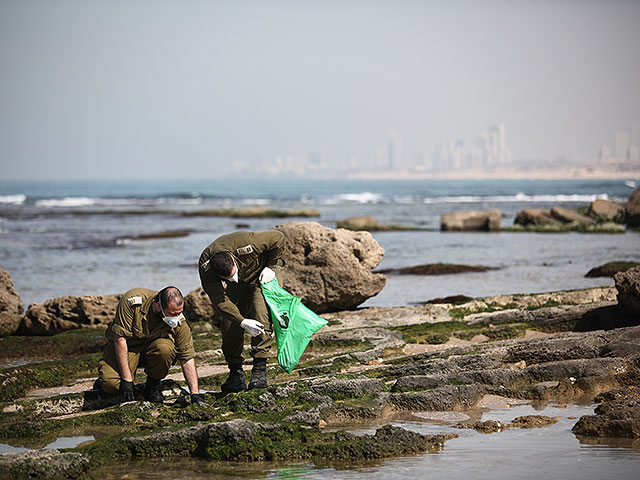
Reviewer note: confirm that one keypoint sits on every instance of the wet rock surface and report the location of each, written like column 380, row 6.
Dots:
column 632, row 209
column 628, row 286
column 613, row 418
column 610, row 269
column 68, row 313
column 357, row 369
column 473, row 220
column 527, row 421
column 436, row 269
column 11, row 306
column 50, row 464
column 600, row 217
column 606, row 208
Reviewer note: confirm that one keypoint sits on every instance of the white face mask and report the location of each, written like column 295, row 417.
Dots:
column 173, row 322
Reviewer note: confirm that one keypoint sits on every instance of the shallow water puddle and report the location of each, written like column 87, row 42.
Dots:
column 549, row 452
column 553, row 451
column 62, row 442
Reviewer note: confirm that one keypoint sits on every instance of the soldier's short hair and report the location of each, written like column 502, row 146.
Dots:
column 170, row 295
column 222, row 263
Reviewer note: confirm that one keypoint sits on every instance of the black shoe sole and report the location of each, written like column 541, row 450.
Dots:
column 232, row 390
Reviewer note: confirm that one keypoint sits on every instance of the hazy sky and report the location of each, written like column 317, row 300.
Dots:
column 132, row 89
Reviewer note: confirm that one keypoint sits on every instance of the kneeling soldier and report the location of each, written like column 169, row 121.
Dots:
column 150, row 331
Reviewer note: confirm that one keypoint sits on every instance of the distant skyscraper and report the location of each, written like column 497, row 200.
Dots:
column 634, row 137
column 381, row 160
column 634, row 154
column 621, row 144
column 395, row 156
column 498, row 145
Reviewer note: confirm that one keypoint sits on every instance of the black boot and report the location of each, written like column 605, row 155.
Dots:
column 235, row 381
column 152, row 392
column 258, row 373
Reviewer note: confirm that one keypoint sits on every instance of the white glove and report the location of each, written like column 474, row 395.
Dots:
column 266, row 275
column 252, row 327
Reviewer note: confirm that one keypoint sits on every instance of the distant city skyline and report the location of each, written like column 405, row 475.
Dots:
column 489, row 151
column 170, row 89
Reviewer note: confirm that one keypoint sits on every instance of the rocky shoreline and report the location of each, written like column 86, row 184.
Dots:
column 367, row 365
column 371, row 363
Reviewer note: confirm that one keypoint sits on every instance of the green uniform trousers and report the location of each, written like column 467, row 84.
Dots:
column 251, row 303
column 156, row 357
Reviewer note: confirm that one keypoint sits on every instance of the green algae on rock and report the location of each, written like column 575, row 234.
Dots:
column 244, row 440
column 361, row 369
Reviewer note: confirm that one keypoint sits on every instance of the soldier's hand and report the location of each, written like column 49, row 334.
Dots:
column 252, row 327
column 126, row 391
column 266, row 275
column 197, row 398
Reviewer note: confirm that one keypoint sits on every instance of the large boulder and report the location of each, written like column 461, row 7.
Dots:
column 11, row 305
column 197, row 307
column 68, row 313
column 628, row 286
column 368, row 224
column 566, row 215
column 606, row 209
column 330, row 269
column 535, row 216
column 472, row 220
column 633, row 209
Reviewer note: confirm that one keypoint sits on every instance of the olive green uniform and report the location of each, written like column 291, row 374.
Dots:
column 150, row 341
column 252, row 252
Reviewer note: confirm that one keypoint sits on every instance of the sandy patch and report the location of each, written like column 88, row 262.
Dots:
column 494, row 402
column 416, row 348
column 536, row 334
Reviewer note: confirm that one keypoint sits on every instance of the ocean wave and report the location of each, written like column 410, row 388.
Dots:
column 368, row 197
column 517, row 198
column 376, row 198
column 70, row 202
column 17, row 199
column 255, row 201
column 364, row 197
column 66, row 202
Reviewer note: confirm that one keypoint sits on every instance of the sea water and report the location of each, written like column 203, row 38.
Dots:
column 73, row 238
column 548, row 452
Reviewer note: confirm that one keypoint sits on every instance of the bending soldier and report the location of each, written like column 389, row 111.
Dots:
column 231, row 271
column 150, row 331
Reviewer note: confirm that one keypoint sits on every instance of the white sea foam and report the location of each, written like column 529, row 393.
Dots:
column 106, row 202
column 67, row 202
column 364, row 197
column 17, row 199
column 518, row 198
column 256, row 201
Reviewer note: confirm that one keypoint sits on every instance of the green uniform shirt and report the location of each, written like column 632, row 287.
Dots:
column 252, row 252
column 136, row 321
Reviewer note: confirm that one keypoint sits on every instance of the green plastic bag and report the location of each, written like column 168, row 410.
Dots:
column 293, row 323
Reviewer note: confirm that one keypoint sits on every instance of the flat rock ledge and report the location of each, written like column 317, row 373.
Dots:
column 358, row 369
column 618, row 416
column 526, row 421
column 244, row 440
column 50, row 464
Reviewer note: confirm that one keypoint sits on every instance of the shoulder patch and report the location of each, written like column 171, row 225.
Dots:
column 244, row 250
column 134, row 301
column 205, row 266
